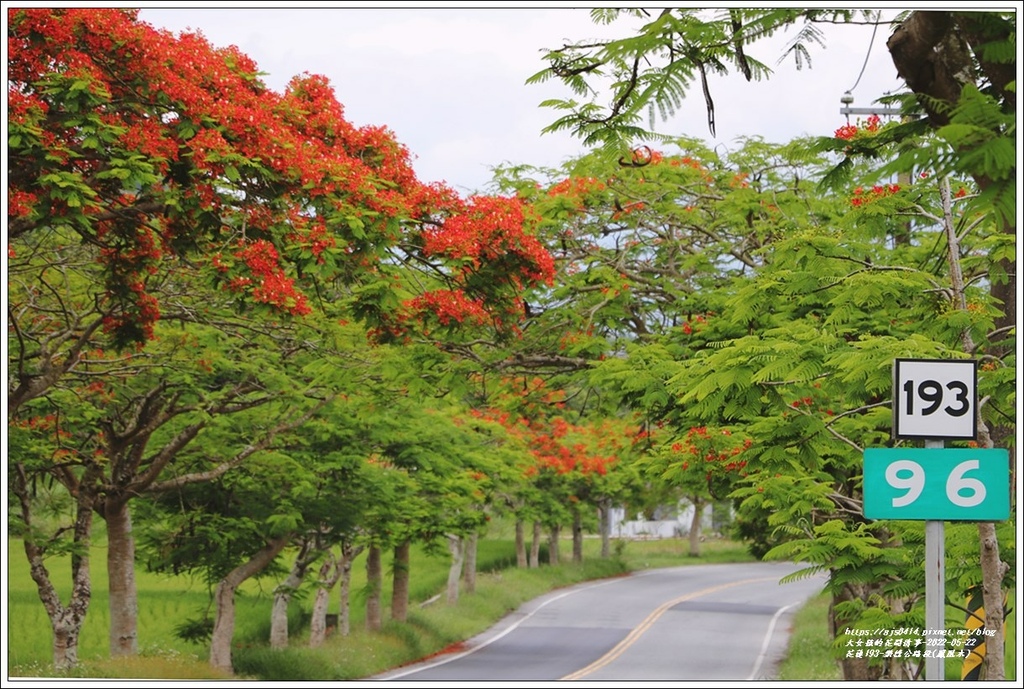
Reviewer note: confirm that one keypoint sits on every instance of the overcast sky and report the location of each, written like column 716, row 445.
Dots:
column 451, row 83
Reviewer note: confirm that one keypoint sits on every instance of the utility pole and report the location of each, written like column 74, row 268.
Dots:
column 847, row 101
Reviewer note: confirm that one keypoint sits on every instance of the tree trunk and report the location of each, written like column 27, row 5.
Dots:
column 224, row 597
column 348, row 555
column 521, row 560
column 897, row 669
column 455, row 547
column 65, row 621
column 992, row 570
column 856, row 669
column 469, row 566
column 321, row 600
column 400, row 583
column 932, row 51
column 604, row 508
column 535, row 546
column 123, row 601
column 283, row 594
column 577, row 537
column 695, row 526
column 933, row 59
column 553, row 541
column 374, row 586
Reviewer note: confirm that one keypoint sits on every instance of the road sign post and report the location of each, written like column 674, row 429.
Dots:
column 935, row 401
column 934, row 588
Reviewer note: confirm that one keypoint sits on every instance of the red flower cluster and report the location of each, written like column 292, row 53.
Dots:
column 849, row 131
column 492, row 230
column 576, row 187
column 811, row 405
column 556, row 445
column 862, row 197
column 695, row 324
column 273, row 286
column 711, row 451
column 449, row 306
column 100, row 102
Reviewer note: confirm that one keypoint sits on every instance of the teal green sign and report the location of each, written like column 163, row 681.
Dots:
column 943, row 484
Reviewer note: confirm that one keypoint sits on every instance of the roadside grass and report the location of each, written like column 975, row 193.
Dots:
column 809, row 654
column 433, row 626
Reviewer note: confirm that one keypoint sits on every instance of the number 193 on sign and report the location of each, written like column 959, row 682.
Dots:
column 935, row 399
column 937, row 484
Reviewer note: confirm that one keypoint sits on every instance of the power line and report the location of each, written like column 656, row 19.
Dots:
column 847, row 98
column 871, row 44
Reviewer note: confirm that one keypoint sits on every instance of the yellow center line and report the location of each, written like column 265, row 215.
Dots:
column 639, row 630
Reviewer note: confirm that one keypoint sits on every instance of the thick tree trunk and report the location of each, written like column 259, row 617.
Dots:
column 224, row 597
column 695, row 526
column 374, row 587
column 400, row 583
column 283, row 594
column 321, row 601
column 223, row 627
column 855, row 669
column 123, row 601
column 455, row 547
column 67, row 628
column 469, row 566
column 65, row 621
column 553, row 540
column 348, row 555
column 521, row 560
column 604, row 512
column 535, row 545
column 933, row 59
column 577, row 537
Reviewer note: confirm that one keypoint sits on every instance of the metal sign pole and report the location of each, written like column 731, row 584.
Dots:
column 935, row 400
column 935, row 591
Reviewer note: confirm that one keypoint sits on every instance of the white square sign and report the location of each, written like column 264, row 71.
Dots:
column 935, row 398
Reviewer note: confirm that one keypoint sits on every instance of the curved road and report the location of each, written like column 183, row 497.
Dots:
column 701, row 622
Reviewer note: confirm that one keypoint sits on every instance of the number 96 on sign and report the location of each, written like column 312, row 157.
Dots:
column 942, row 484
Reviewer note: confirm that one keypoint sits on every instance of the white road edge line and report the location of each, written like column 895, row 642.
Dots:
column 456, row 656
column 767, row 641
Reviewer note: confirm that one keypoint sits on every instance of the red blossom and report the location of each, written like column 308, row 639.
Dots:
column 449, row 306
column 200, row 140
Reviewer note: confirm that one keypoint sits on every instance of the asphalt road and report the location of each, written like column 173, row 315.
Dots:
column 694, row 623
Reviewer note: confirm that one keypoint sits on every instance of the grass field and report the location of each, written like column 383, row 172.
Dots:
column 165, row 602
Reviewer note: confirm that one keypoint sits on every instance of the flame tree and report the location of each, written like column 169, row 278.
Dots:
column 154, row 179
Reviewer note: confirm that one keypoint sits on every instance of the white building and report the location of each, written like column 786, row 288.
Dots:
column 677, row 526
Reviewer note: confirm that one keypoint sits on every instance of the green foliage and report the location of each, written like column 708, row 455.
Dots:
column 196, row 630
column 662, row 59
column 695, row 291
column 786, row 334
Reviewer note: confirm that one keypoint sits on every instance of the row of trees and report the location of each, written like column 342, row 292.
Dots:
column 242, row 329
column 960, row 73
column 185, row 250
